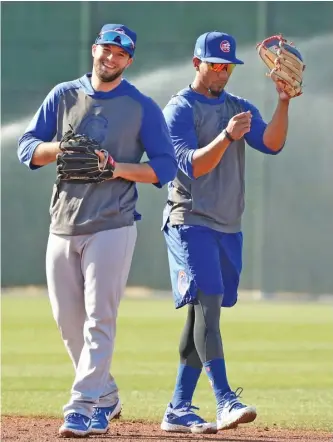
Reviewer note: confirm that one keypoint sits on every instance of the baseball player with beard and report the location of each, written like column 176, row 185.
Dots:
column 93, row 226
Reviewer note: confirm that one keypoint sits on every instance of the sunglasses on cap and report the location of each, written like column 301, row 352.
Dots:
column 111, row 37
column 219, row 67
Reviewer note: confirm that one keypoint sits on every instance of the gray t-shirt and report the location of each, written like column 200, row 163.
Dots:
column 216, row 199
column 127, row 124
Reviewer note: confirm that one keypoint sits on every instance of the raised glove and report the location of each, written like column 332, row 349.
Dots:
column 284, row 62
column 78, row 163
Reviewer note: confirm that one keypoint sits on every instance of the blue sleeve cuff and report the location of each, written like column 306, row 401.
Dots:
column 165, row 168
column 179, row 118
column 258, row 144
column 27, row 147
column 157, row 143
column 255, row 138
column 186, row 164
column 42, row 128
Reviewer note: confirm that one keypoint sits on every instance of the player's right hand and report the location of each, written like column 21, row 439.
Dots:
column 239, row 125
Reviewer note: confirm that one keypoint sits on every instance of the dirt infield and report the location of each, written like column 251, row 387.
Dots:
column 46, row 430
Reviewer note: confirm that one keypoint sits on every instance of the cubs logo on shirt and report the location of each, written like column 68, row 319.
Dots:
column 225, row 46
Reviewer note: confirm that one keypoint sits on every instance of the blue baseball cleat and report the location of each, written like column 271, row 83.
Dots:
column 102, row 416
column 183, row 419
column 75, row 425
column 231, row 411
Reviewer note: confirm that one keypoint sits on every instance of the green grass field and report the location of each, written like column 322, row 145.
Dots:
column 280, row 354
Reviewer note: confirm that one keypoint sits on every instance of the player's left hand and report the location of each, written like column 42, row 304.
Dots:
column 283, row 96
column 102, row 159
column 285, row 64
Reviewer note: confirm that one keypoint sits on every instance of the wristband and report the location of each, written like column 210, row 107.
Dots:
column 227, row 135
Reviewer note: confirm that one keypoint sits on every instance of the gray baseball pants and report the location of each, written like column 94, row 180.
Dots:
column 86, row 278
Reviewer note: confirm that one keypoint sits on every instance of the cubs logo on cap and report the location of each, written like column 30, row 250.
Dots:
column 216, row 47
column 225, row 46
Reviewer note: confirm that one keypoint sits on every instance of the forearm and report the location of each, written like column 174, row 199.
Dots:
column 140, row 173
column 206, row 159
column 45, row 153
column 276, row 131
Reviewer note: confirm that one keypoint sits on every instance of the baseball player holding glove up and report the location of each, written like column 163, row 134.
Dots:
column 202, row 219
column 96, row 128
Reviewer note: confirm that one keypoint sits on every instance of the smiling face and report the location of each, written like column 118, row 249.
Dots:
column 110, row 61
column 210, row 79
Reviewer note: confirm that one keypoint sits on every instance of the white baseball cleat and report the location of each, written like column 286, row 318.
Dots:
column 182, row 419
column 231, row 412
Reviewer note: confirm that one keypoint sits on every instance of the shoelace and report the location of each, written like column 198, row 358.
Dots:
column 238, row 392
column 232, row 398
column 189, row 408
column 72, row 416
column 97, row 411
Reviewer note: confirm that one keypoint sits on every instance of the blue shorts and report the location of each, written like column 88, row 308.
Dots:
column 202, row 258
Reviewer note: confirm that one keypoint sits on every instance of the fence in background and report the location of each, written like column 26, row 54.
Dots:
column 289, row 199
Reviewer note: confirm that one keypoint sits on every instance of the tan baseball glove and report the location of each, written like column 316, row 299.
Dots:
column 284, row 62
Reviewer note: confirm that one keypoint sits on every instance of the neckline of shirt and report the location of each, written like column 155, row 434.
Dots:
column 86, row 83
column 204, row 99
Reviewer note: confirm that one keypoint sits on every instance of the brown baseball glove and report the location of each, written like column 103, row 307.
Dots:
column 284, row 62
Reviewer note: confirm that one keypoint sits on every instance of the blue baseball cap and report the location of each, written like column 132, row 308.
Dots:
column 119, row 35
column 216, row 47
